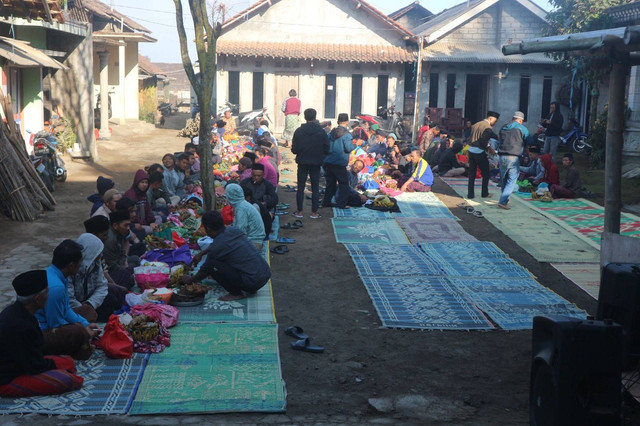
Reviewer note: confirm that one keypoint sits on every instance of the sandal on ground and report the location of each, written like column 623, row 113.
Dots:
column 280, row 249
column 315, row 216
column 297, row 332
column 478, row 213
column 281, row 213
column 289, row 226
column 489, row 195
column 306, row 346
column 285, row 240
column 298, row 223
column 471, row 210
column 504, row 206
column 297, row 214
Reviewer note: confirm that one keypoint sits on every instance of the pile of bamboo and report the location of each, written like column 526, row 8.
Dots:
column 23, row 194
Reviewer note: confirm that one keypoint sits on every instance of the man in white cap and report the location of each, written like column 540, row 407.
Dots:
column 512, row 140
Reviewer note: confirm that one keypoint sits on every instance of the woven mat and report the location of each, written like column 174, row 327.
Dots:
column 361, row 213
column 381, row 231
column 544, row 239
column 214, row 368
column 391, row 260
column 109, row 387
column 583, row 217
column 423, row 303
column 584, row 275
column 513, row 303
column 433, row 230
column 473, row 259
column 257, row 308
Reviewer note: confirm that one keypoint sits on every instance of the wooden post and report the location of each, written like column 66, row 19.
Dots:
column 416, row 105
column 47, row 11
column 613, row 150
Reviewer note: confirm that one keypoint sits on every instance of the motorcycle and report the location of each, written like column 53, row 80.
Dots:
column 577, row 139
column 249, row 122
column 51, row 166
column 166, row 109
column 574, row 138
column 389, row 120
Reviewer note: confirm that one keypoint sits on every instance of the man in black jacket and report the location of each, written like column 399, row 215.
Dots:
column 448, row 165
column 553, row 126
column 310, row 144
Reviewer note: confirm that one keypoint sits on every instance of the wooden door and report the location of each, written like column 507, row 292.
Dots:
column 284, row 83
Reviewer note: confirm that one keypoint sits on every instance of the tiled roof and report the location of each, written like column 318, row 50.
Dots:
column 147, row 67
column 415, row 5
column 480, row 53
column 327, row 52
column 31, row 9
column 98, row 8
column 624, row 13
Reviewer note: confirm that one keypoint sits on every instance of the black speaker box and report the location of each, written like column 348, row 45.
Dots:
column 619, row 300
column 575, row 372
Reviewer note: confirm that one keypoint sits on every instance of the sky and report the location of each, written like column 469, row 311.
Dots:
column 159, row 17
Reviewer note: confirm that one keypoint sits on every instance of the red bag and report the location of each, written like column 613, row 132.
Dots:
column 115, row 342
column 227, row 215
column 177, row 239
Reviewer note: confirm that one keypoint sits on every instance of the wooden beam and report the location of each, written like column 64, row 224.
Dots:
column 613, row 150
column 45, row 5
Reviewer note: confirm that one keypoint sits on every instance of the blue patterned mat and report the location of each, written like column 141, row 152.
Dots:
column 109, row 387
column 418, row 209
column 361, row 213
column 378, row 231
column 471, row 249
column 423, row 303
column 512, row 304
column 391, row 260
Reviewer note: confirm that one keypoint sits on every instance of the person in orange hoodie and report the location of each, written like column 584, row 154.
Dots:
column 551, row 174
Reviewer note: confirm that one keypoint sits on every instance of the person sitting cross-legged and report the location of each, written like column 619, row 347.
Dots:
column 64, row 331
column 572, row 184
column 422, row 177
column 24, row 370
column 448, row 164
column 232, row 260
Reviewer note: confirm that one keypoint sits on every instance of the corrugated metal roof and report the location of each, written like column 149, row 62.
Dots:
column 327, row 52
column 624, row 13
column 21, row 54
column 101, row 9
column 481, row 53
column 441, row 19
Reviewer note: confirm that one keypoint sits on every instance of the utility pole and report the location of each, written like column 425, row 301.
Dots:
column 416, row 105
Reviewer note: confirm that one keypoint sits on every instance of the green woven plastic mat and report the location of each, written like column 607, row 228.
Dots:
column 214, row 368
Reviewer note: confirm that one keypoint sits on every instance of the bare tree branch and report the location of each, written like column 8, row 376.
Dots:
column 184, row 50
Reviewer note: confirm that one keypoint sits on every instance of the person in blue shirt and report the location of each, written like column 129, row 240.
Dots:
column 513, row 138
column 64, row 331
column 335, row 164
column 422, row 178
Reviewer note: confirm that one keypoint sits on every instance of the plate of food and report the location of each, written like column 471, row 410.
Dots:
column 189, row 295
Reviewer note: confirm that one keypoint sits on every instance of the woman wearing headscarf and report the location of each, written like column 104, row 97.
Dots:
column 89, row 293
column 245, row 216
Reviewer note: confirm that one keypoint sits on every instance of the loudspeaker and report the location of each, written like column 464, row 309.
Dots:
column 619, row 300
column 575, row 372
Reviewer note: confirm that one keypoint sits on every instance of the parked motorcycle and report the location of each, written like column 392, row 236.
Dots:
column 249, row 122
column 389, row 120
column 45, row 150
column 166, row 109
column 574, row 138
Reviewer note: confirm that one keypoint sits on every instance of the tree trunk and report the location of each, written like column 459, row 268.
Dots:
column 206, row 158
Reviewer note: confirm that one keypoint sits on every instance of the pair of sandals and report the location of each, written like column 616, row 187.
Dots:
column 303, row 342
column 283, row 206
column 281, row 249
column 296, row 224
column 290, row 188
column 471, row 210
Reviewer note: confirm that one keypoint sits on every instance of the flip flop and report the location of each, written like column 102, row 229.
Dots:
column 281, row 213
column 285, row 240
column 317, row 216
column 306, row 346
column 298, row 223
column 478, row 213
column 471, row 210
column 297, row 332
column 283, row 206
column 280, row 250
column 289, row 226
column 296, row 214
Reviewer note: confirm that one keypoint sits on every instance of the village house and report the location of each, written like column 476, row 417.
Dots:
column 340, row 56
column 43, row 68
column 465, row 74
column 411, row 16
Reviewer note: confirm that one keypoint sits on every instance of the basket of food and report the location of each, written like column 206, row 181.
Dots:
column 189, row 295
column 142, row 329
column 152, row 275
column 160, row 294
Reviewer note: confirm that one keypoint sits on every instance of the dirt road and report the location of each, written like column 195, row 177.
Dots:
column 453, row 377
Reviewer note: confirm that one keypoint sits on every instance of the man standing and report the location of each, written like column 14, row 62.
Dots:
column 335, row 163
column 291, row 109
column 65, row 332
column 24, row 370
column 512, row 140
column 310, row 144
column 481, row 132
column 553, row 126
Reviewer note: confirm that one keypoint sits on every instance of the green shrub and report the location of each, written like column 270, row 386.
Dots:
column 148, row 104
column 598, row 137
